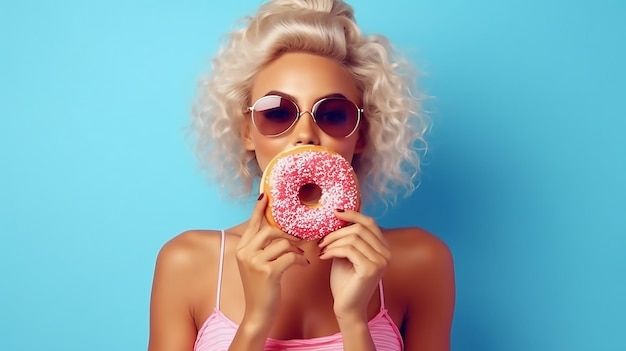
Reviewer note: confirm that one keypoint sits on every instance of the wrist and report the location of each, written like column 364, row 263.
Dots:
column 253, row 324
column 350, row 314
column 348, row 320
column 250, row 335
column 356, row 334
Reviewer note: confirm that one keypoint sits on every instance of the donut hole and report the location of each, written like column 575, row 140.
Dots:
column 310, row 194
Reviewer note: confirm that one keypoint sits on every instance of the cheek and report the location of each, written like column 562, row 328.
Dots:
column 265, row 150
column 345, row 150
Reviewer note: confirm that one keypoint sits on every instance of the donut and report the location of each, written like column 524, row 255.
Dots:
column 304, row 186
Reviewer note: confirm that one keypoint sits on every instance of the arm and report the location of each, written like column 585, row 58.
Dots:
column 172, row 326
column 429, row 270
column 263, row 254
column 360, row 256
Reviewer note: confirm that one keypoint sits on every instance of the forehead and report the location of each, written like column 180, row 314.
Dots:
column 305, row 77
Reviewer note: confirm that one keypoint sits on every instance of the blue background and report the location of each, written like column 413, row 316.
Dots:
column 524, row 177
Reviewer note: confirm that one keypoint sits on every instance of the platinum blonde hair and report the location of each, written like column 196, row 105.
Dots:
column 394, row 122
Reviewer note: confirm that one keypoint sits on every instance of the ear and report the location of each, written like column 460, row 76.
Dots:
column 246, row 136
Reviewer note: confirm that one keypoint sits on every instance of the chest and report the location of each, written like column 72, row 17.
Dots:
column 305, row 310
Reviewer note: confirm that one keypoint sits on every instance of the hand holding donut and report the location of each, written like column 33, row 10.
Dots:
column 360, row 256
column 305, row 185
column 263, row 254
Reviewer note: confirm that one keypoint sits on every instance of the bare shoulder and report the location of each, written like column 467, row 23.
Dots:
column 188, row 250
column 186, row 243
column 420, row 280
column 185, row 266
column 176, row 287
column 420, row 261
column 415, row 248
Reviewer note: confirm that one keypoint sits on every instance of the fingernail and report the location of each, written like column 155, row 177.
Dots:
column 260, row 196
column 340, row 210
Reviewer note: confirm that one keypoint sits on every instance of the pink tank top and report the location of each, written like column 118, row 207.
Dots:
column 218, row 331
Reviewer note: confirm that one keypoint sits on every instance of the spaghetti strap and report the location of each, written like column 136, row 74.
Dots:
column 219, row 274
column 382, row 295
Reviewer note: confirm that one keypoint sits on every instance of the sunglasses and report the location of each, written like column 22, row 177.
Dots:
column 274, row 115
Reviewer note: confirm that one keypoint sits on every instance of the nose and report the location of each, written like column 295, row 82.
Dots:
column 306, row 131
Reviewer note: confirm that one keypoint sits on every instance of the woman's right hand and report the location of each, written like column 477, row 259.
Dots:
column 263, row 254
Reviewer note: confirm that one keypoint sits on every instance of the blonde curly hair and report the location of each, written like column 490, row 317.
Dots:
column 394, row 121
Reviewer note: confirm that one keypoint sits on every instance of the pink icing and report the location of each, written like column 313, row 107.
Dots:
column 331, row 172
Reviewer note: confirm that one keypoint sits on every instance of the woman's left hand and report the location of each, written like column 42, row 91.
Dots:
column 360, row 256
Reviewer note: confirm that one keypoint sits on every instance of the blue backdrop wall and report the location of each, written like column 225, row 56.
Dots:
column 524, row 177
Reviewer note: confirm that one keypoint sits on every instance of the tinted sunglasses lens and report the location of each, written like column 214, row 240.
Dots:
column 337, row 117
column 273, row 115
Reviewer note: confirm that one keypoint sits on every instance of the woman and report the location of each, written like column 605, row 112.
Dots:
column 254, row 287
